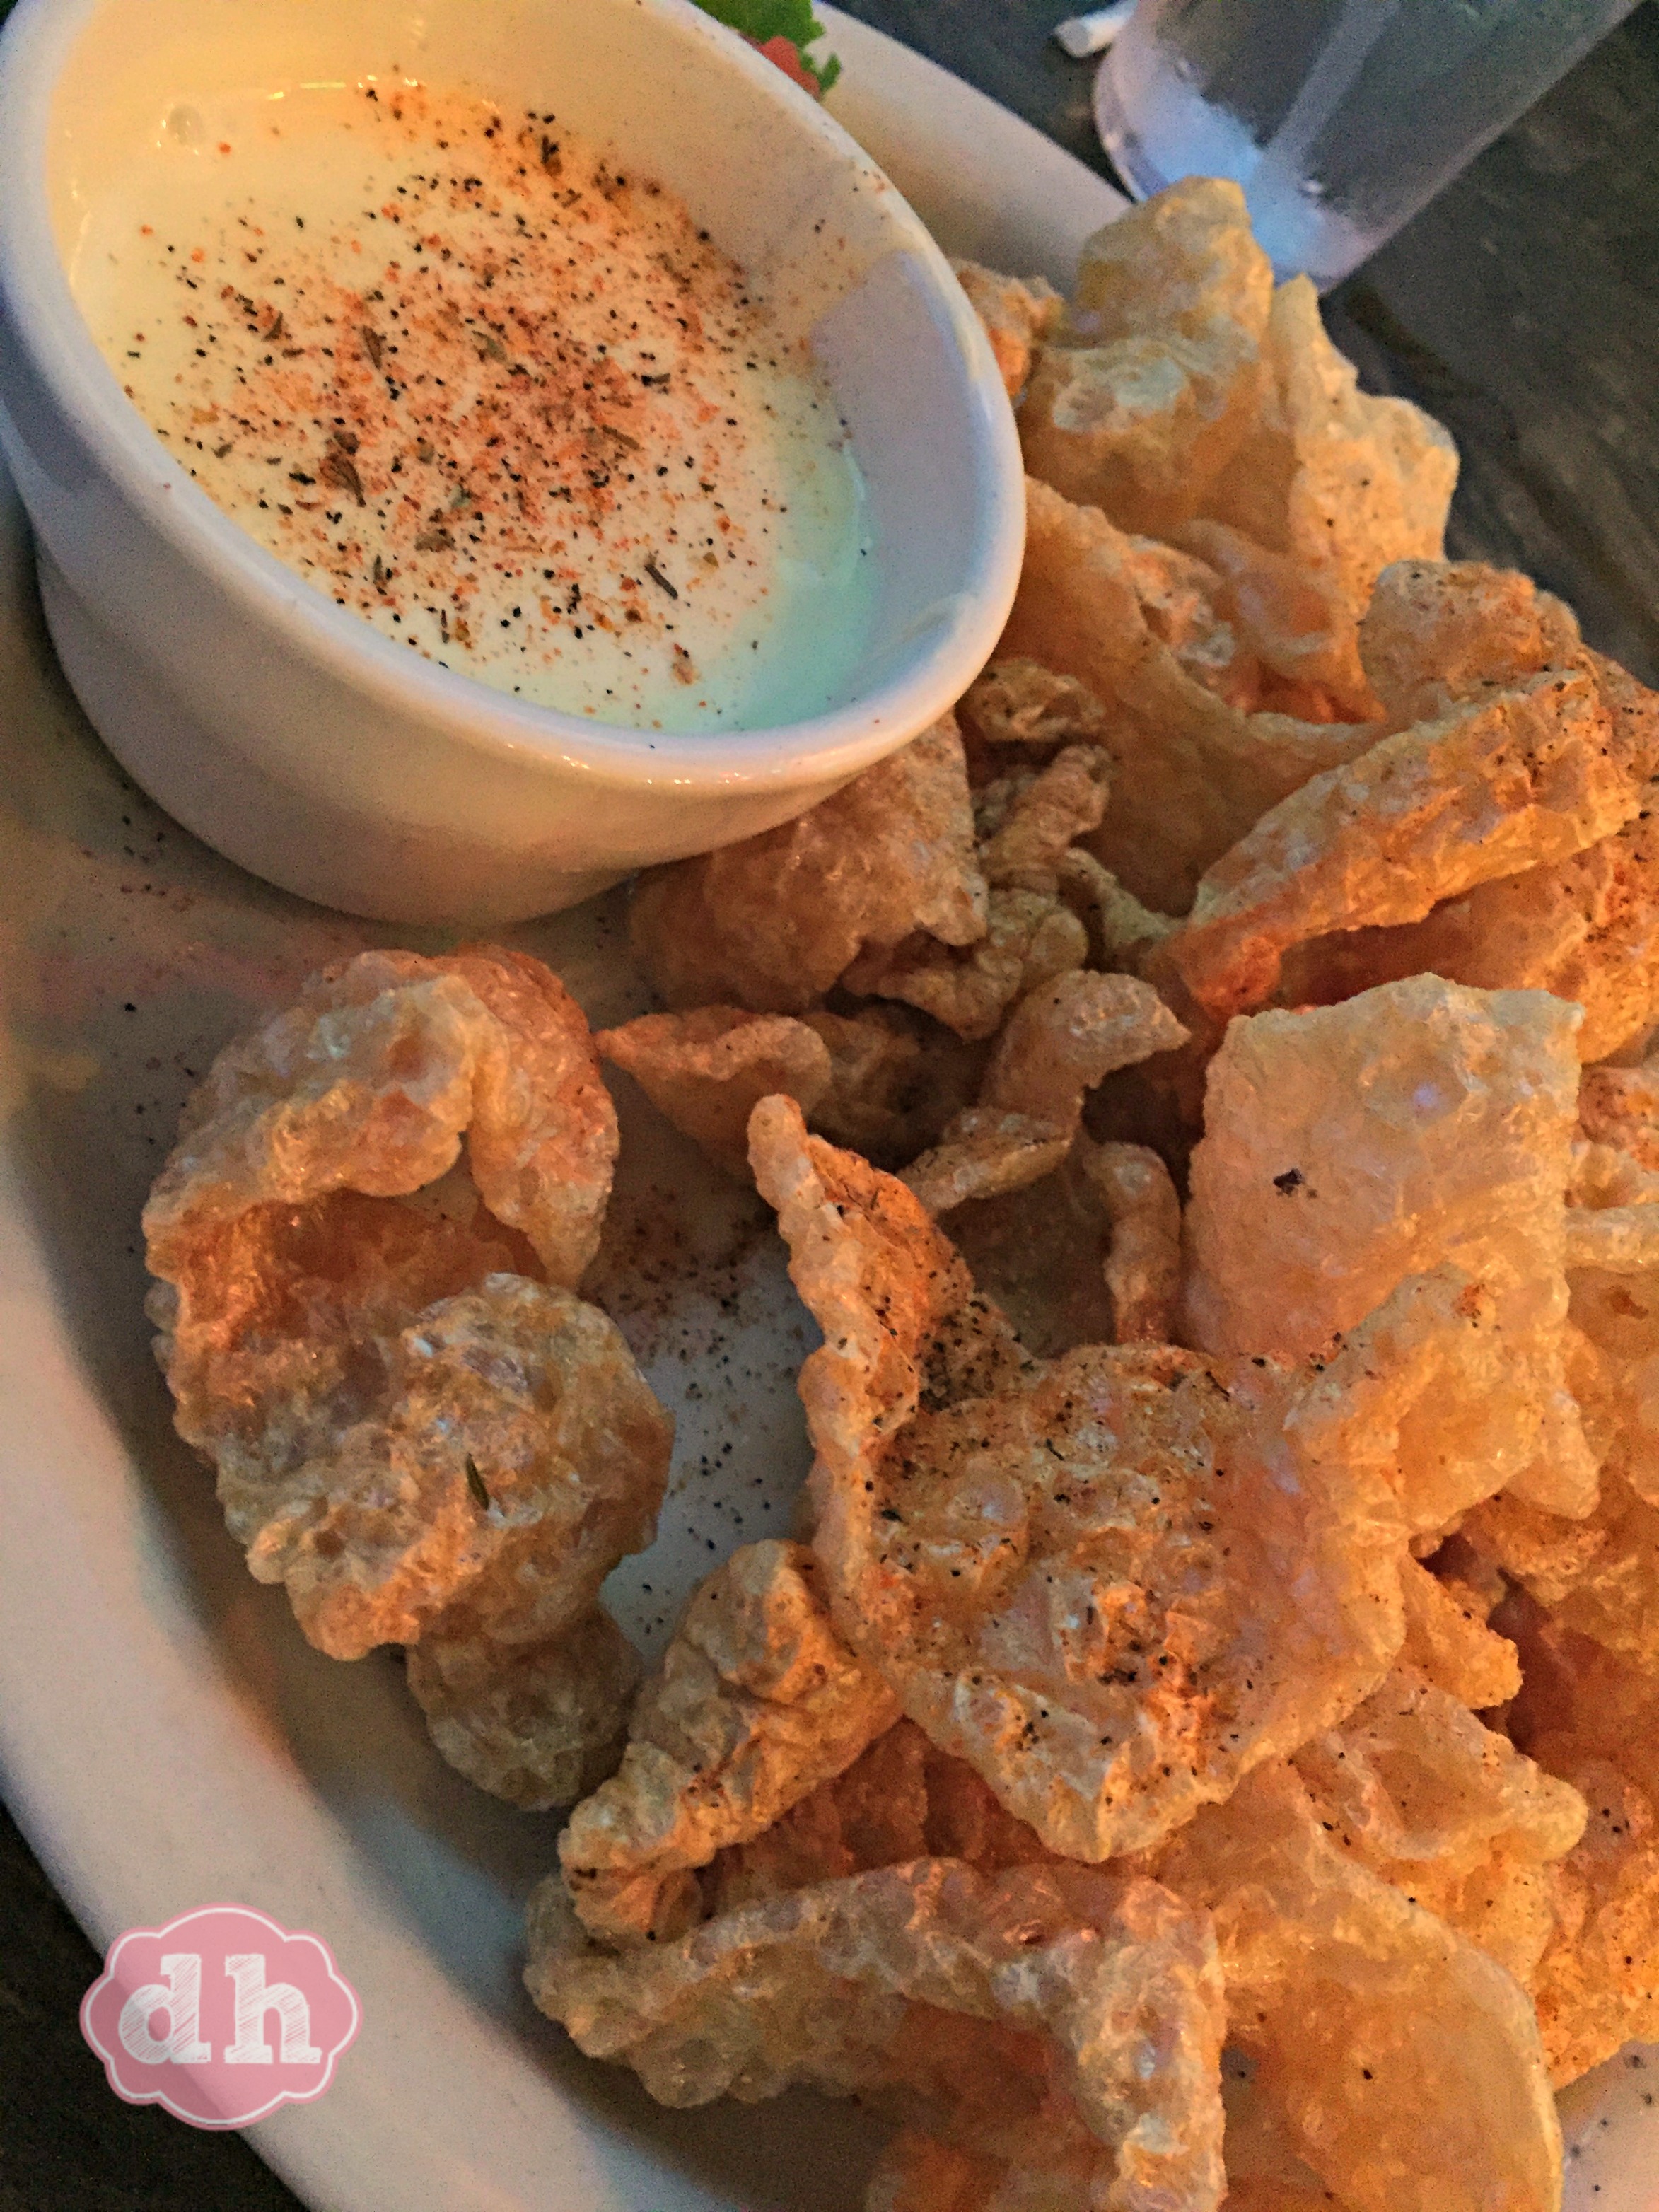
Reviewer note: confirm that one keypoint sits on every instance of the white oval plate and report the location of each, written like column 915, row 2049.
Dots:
column 167, row 1737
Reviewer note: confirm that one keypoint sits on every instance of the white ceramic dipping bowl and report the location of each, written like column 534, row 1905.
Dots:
column 283, row 729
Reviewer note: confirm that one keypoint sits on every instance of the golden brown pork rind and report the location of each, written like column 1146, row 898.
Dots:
column 1122, row 930
column 1018, row 314
column 1030, row 937
column 1405, row 2062
column 1160, row 378
column 1037, row 1568
column 1436, row 632
column 1449, row 1812
column 772, row 922
column 1028, row 823
column 538, row 1725
column 1525, row 776
column 705, row 1070
column 1020, row 702
column 1294, row 620
column 1143, row 1264
column 757, row 1702
column 1448, row 1640
column 369, row 1084
column 984, row 1153
column 1193, row 772
column 1052, row 2016
column 1619, row 1106
column 512, row 1454
column 1352, row 1146
column 1342, row 482
column 1585, row 928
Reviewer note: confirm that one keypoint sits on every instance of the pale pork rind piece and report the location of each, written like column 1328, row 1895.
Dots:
column 1018, row 313
column 1159, row 380
column 1030, row 937
column 1194, row 770
column 1348, row 1148
column 1525, row 774
column 1341, row 482
column 1405, row 2063
column 1020, row 702
column 772, row 922
column 1436, row 632
column 706, row 1070
column 1619, row 1106
column 758, row 1701
column 413, row 1431
column 1065, row 2025
column 1295, row 622
column 538, row 1725
column 1143, row 1265
column 1028, row 822
column 1450, row 1641
column 1037, row 1568
column 1415, row 1788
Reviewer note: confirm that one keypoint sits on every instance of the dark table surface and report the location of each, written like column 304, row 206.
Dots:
column 1522, row 308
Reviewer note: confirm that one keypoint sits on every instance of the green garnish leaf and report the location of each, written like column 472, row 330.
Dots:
column 762, row 20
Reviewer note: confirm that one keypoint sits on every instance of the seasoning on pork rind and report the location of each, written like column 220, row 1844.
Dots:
column 1159, row 378
column 1450, row 1643
column 1018, row 314
column 1352, row 1146
column 369, row 1084
column 705, row 1070
column 1523, row 776
column 1143, row 1265
column 1031, row 937
column 1020, row 702
column 539, row 1724
column 1436, row 632
column 1405, row 2062
column 1041, row 814
column 772, row 922
column 757, row 1701
column 1415, row 1788
column 1193, row 771
column 1343, row 482
column 1053, row 2019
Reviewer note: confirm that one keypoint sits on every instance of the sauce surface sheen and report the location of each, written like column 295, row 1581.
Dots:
column 506, row 404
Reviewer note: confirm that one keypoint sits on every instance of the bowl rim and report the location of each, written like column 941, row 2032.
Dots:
column 35, row 46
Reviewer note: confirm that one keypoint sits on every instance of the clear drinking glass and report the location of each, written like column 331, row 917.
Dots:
column 1340, row 117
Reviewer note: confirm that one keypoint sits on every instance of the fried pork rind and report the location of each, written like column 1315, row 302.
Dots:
column 1449, row 1812
column 1037, row 1571
column 758, row 1701
column 1030, row 937
column 1527, row 775
column 1405, row 2063
column 1019, row 703
column 896, row 1078
column 1348, row 1148
column 369, row 1084
column 1193, row 772
column 1053, row 2017
column 1594, row 1718
column 1028, row 822
column 1019, row 315
column 1619, row 1106
column 1436, row 632
column 1294, row 620
column 1123, row 929
column 1143, row 1265
column 1449, row 1641
column 1342, row 482
column 772, row 922
column 539, row 1724
column 1598, row 1575
column 705, row 1070
column 1160, row 378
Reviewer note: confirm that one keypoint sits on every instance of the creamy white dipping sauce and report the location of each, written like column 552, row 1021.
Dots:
column 507, row 404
